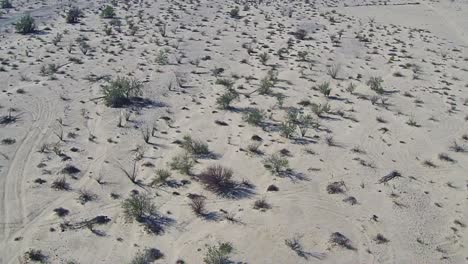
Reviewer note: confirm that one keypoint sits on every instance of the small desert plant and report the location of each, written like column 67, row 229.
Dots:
column 25, row 25
column 375, row 83
column 300, row 34
column 162, row 58
column 218, row 254
column 264, row 57
column 302, row 55
column 336, row 187
column 305, row 122
column 137, row 207
column 266, row 84
column 276, row 164
column 225, row 100
column 254, row 116
column 351, row 88
column 320, row 109
column 287, row 129
column 457, row 147
column 234, row 13
column 339, row 239
column 183, row 162
column 217, row 179
column 334, row 70
column 380, row 239
column 197, row 204
column 108, row 12
column 35, row 256
column 147, row 256
column 119, row 91
column 86, row 196
column 73, row 15
column 446, row 157
column 60, row 184
column 161, row 177
column 325, row 88
column 196, row 147
column 261, row 204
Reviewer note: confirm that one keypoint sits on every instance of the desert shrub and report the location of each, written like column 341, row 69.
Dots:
column 61, row 212
column 218, row 254
column 320, row 109
column 234, row 13
column 137, row 207
column 25, row 25
column 183, row 163
column 264, row 57
column 108, row 12
column 287, row 129
column 351, row 88
column 254, row 116
column 119, row 91
column 325, row 88
column 336, row 187
column 225, row 100
column 380, row 239
column 375, row 84
column 457, row 147
column 70, row 169
column 228, row 83
column 305, row 122
column 197, row 204
column 196, row 147
column 334, row 70
column 162, row 58
column 73, row 15
column 217, row 179
column 35, row 255
column 8, row 141
column 339, row 239
column 265, row 86
column 147, row 256
column 85, row 196
column 276, row 164
column 261, row 204
column 49, row 70
column 5, row 4
column 446, row 157
column 272, row 188
column 60, row 184
column 300, row 34
column 161, row 177
column 302, row 55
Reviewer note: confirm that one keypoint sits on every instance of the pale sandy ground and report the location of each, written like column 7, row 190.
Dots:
column 423, row 214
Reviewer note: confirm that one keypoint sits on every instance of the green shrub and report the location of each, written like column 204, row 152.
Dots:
column 197, row 148
column 254, row 116
column 218, row 254
column 183, row 163
column 25, row 25
column 320, row 109
column 225, row 100
column 73, row 15
column 375, row 83
column 287, row 129
column 138, row 206
column 147, row 256
column 276, row 164
column 161, row 177
column 108, row 12
column 325, row 88
column 119, row 91
column 264, row 57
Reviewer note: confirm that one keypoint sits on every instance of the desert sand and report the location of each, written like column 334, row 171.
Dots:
column 213, row 131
